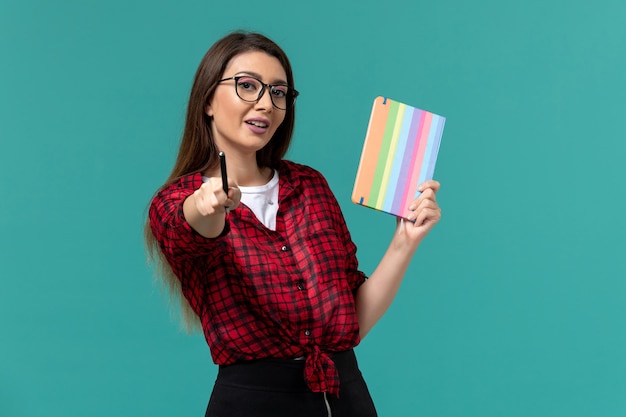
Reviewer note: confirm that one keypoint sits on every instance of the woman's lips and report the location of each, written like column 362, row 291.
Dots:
column 258, row 125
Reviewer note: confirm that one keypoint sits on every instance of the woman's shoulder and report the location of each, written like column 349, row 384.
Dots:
column 296, row 170
column 179, row 187
column 189, row 181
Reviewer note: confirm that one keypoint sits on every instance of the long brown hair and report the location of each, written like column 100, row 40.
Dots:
column 198, row 151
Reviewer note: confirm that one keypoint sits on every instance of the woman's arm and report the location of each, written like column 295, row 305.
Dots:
column 376, row 294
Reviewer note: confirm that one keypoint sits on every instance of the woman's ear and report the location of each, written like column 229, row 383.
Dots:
column 208, row 110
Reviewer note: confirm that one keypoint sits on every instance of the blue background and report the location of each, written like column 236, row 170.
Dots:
column 514, row 304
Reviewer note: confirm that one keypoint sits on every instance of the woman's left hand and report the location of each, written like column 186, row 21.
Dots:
column 425, row 213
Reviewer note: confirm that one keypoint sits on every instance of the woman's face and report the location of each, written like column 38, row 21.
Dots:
column 241, row 126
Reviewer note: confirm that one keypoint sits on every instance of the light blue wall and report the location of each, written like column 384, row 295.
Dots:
column 515, row 304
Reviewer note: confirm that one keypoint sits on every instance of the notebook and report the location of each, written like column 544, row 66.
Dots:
column 399, row 153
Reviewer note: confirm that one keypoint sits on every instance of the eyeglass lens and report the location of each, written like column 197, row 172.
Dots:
column 251, row 89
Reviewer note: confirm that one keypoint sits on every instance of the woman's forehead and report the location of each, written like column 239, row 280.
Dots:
column 258, row 63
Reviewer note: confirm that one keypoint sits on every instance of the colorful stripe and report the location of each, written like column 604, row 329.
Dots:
column 381, row 163
column 399, row 153
column 391, row 155
column 396, row 175
column 367, row 166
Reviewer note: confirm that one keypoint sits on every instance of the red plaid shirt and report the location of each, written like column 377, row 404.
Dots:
column 269, row 294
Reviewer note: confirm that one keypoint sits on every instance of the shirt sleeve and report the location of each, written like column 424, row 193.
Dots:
column 177, row 239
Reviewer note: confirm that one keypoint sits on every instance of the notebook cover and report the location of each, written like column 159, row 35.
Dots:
column 399, row 153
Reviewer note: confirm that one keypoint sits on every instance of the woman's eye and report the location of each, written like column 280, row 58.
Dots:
column 280, row 92
column 248, row 84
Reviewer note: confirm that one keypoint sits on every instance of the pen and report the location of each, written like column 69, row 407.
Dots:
column 223, row 168
column 224, row 176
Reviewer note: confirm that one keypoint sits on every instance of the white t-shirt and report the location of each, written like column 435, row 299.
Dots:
column 262, row 200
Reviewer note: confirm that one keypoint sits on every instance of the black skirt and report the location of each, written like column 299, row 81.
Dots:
column 276, row 388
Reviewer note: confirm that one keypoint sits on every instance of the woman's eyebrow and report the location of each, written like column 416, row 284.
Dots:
column 257, row 75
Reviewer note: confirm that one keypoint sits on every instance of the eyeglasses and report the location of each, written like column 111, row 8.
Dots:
column 251, row 89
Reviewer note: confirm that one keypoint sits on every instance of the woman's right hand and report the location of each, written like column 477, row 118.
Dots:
column 211, row 199
column 205, row 209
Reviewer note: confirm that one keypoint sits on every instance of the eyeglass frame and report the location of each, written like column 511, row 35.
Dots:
column 292, row 91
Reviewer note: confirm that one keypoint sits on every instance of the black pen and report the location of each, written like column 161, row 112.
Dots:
column 224, row 175
column 223, row 168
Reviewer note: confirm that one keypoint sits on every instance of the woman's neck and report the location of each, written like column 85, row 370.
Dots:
column 245, row 172
column 251, row 176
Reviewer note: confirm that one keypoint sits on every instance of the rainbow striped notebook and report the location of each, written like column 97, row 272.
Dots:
column 399, row 153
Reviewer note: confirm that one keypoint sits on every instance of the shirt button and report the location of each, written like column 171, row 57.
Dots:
column 300, row 285
column 284, row 248
column 307, row 333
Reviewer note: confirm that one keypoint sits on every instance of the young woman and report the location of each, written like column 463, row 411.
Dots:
column 266, row 264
